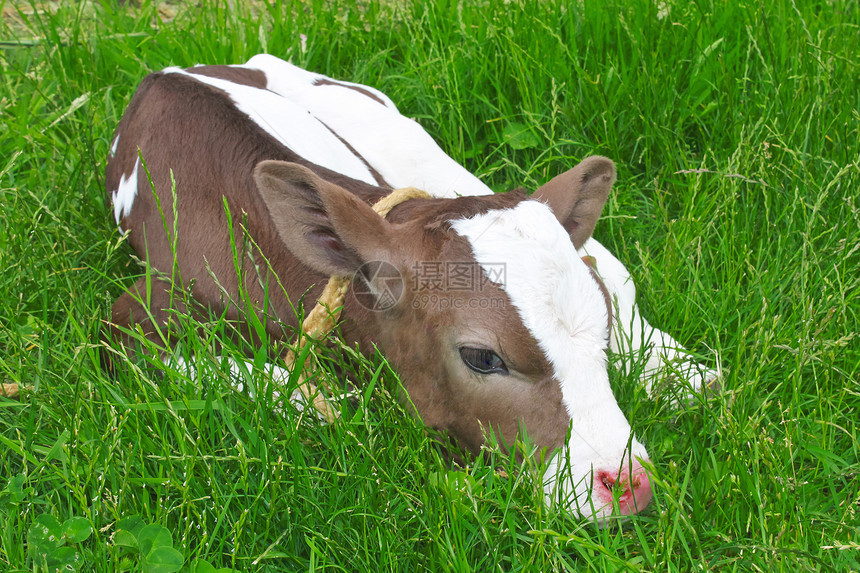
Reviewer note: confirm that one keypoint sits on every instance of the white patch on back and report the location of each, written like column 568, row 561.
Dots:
column 123, row 197
column 286, row 79
column 291, row 125
column 563, row 307
column 114, row 145
column 397, row 147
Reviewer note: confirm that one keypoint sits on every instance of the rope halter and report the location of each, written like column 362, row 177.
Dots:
column 321, row 320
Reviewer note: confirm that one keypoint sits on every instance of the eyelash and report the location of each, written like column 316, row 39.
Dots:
column 483, row 361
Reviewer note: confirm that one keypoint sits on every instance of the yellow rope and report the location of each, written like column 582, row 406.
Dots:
column 323, row 317
column 396, row 197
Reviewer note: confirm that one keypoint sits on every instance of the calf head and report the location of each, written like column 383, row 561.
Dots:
column 514, row 341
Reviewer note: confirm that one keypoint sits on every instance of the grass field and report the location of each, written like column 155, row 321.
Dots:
column 736, row 130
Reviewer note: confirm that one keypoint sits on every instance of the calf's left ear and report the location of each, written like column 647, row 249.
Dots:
column 325, row 226
column 577, row 196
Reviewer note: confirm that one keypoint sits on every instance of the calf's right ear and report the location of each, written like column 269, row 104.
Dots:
column 577, row 196
column 325, row 226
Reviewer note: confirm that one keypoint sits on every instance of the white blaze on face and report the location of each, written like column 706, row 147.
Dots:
column 123, row 197
column 563, row 307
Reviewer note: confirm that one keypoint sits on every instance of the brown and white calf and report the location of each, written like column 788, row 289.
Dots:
column 298, row 158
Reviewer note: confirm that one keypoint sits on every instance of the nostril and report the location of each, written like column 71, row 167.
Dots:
column 629, row 487
column 607, row 479
column 640, row 487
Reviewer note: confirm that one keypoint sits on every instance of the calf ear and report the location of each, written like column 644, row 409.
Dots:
column 325, row 226
column 577, row 196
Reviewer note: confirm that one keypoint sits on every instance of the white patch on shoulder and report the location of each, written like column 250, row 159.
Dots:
column 126, row 191
column 396, row 146
column 563, row 307
column 114, row 145
column 293, row 126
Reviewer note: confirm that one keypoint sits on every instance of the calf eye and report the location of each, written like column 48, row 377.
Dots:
column 483, row 361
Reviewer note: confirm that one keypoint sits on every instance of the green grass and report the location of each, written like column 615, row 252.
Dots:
column 735, row 127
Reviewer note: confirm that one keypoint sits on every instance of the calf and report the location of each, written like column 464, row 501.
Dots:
column 515, row 342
